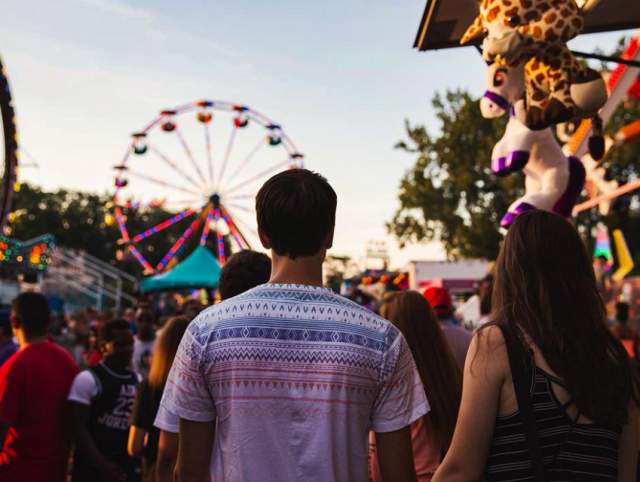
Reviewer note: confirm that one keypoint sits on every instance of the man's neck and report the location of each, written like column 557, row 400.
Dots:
column 300, row 271
column 24, row 341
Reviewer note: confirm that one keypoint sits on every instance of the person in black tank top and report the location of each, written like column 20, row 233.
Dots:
column 102, row 399
column 548, row 393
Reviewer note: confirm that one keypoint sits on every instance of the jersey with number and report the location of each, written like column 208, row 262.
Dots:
column 109, row 415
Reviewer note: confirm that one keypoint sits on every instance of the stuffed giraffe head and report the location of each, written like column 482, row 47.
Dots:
column 505, row 85
column 517, row 27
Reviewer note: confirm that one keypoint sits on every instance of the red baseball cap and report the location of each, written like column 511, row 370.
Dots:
column 439, row 300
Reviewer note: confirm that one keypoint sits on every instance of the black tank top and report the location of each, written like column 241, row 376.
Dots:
column 109, row 416
column 570, row 451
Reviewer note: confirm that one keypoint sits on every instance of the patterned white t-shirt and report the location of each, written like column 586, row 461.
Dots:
column 296, row 377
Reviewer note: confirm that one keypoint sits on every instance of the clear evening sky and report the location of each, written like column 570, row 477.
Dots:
column 339, row 75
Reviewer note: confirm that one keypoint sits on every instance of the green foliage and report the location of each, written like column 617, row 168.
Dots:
column 451, row 195
column 78, row 221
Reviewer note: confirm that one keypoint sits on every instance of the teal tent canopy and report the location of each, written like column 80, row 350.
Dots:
column 198, row 270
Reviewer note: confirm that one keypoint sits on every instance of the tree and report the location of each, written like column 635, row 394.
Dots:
column 450, row 195
column 79, row 220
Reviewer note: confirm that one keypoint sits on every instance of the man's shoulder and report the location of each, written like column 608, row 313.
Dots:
column 286, row 302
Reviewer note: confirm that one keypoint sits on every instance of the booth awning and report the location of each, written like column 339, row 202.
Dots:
column 198, row 270
column 444, row 21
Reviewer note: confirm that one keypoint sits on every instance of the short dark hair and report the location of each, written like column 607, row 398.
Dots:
column 33, row 312
column 5, row 323
column 296, row 210
column 622, row 312
column 108, row 330
column 243, row 271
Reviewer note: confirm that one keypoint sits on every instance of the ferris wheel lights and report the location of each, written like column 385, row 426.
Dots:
column 240, row 108
column 205, row 103
column 139, row 144
column 120, row 167
column 168, row 126
column 297, row 155
column 241, row 121
column 140, row 149
column 204, row 116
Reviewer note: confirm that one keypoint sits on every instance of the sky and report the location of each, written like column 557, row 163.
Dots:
column 340, row 76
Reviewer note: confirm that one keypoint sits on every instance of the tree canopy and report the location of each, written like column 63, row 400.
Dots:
column 84, row 221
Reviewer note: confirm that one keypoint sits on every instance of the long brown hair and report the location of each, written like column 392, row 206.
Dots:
column 165, row 350
column 544, row 283
column 439, row 372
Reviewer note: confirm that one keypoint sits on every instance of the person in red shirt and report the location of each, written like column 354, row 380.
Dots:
column 34, row 384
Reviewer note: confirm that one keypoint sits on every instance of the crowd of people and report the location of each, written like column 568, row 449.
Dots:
column 285, row 380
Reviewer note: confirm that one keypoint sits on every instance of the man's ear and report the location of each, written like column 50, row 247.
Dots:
column 264, row 239
column 15, row 322
column 328, row 244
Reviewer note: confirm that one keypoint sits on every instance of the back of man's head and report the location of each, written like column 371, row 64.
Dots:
column 32, row 313
column 111, row 327
column 622, row 312
column 296, row 211
column 5, row 324
column 243, row 271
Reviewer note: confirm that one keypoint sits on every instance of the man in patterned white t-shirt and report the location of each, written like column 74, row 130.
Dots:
column 285, row 381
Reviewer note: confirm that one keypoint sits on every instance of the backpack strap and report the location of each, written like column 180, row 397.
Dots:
column 521, row 373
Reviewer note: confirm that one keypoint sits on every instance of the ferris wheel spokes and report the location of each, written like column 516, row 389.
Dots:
column 175, row 167
column 207, row 140
column 222, row 257
column 190, row 155
column 164, row 225
column 240, row 239
column 258, row 176
column 138, row 256
column 227, row 154
column 178, row 244
column 160, row 182
column 207, row 226
column 246, row 160
column 239, row 223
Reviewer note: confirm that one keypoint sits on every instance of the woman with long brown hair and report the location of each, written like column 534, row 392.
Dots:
column 548, row 393
column 439, row 372
column 143, row 436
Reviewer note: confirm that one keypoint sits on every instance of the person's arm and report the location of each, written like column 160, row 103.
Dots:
column 167, row 456
column 86, row 445
column 186, row 395
column 401, row 400
column 194, row 451
column 141, row 420
column 485, row 371
column 395, row 456
column 629, row 445
column 135, row 444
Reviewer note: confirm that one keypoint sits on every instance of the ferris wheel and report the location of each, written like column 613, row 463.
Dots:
column 203, row 163
column 9, row 166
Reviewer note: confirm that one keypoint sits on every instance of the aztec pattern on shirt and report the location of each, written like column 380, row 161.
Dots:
column 299, row 366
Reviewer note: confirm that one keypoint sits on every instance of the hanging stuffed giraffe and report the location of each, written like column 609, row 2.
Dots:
column 558, row 88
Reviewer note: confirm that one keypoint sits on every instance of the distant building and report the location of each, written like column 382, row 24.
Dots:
column 458, row 277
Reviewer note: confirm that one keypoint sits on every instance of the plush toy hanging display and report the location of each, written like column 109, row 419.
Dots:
column 553, row 181
column 533, row 33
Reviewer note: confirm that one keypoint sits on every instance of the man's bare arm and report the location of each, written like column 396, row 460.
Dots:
column 194, row 451
column 395, row 456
